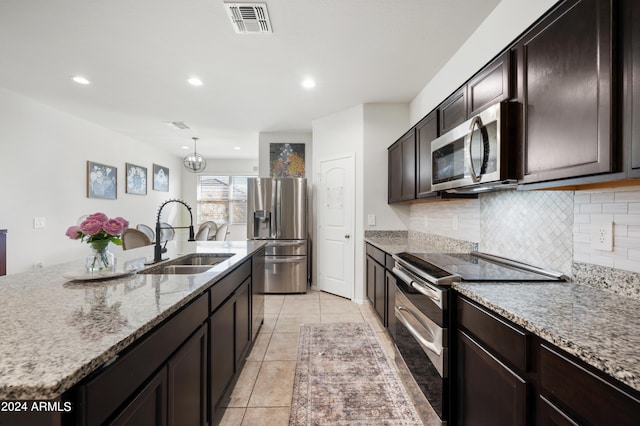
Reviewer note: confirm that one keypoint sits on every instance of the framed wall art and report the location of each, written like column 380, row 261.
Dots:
column 160, row 178
column 136, row 179
column 102, row 181
column 286, row 160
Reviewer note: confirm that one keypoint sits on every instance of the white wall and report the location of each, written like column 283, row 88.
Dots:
column 43, row 174
column 507, row 21
column 382, row 125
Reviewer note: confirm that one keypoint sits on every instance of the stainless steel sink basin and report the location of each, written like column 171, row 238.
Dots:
column 201, row 259
column 190, row 264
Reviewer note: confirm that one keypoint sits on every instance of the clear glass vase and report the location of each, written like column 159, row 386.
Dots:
column 101, row 259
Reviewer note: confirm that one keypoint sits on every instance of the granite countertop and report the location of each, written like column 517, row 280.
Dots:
column 599, row 327
column 54, row 332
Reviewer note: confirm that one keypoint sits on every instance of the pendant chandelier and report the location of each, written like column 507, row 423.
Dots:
column 194, row 162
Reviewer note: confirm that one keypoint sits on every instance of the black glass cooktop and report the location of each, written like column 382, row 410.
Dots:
column 469, row 267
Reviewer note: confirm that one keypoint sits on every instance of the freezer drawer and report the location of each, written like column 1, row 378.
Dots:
column 285, row 274
column 286, row 248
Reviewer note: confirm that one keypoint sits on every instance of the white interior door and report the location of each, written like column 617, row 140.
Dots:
column 336, row 206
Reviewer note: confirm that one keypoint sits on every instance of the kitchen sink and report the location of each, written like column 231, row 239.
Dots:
column 190, row 264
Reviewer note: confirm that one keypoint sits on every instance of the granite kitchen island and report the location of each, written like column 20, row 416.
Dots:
column 58, row 336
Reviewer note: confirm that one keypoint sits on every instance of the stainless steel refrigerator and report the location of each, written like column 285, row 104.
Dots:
column 277, row 212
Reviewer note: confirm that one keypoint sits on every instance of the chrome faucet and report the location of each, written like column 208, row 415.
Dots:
column 157, row 255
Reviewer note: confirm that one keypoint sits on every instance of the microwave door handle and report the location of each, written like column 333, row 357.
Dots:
column 475, row 121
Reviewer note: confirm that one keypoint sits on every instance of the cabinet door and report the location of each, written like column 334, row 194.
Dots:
column 148, row 408
column 488, row 393
column 221, row 349
column 391, row 305
column 380, row 292
column 242, row 322
column 402, row 169
column 371, row 280
column 453, row 110
column 491, row 85
column 187, row 382
column 564, row 78
column 630, row 14
column 426, row 131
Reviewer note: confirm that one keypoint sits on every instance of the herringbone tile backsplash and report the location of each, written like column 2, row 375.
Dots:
column 532, row 226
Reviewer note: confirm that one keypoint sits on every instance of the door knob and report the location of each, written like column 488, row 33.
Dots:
column 347, row 236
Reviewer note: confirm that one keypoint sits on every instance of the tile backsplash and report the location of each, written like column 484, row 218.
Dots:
column 550, row 229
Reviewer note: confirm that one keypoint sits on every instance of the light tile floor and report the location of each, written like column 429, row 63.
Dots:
column 262, row 394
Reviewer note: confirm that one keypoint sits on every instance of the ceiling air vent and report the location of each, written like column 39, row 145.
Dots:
column 249, row 18
column 180, row 125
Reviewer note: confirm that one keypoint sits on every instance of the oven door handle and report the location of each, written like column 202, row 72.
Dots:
column 432, row 346
column 421, row 288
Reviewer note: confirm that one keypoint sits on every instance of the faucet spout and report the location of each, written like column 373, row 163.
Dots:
column 157, row 254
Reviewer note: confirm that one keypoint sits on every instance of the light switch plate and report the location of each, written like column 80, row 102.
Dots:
column 602, row 236
column 371, row 220
column 39, row 222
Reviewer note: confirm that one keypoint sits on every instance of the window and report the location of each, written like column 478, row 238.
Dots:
column 222, row 199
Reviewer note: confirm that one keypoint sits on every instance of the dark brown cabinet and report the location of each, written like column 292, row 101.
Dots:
column 629, row 16
column 402, row 169
column 148, row 408
column 187, row 382
column 488, row 393
column 491, row 355
column 564, row 75
column 378, row 280
column 506, row 375
column 3, row 251
column 453, row 110
column 426, row 131
column 221, row 351
column 490, row 86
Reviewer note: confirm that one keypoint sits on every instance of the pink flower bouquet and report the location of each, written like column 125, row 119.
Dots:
column 98, row 229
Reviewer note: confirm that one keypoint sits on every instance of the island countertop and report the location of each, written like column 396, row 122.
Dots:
column 55, row 331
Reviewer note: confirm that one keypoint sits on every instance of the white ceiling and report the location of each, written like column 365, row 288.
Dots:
column 138, row 55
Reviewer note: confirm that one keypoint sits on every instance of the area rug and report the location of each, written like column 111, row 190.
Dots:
column 343, row 377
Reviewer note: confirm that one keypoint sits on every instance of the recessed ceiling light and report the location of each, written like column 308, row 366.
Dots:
column 80, row 80
column 194, row 81
column 308, row 83
column 185, row 147
column 237, row 148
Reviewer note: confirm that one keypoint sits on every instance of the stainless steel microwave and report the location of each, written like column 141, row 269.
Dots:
column 478, row 155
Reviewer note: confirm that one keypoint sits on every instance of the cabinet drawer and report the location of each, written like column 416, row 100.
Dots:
column 103, row 394
column 376, row 253
column 226, row 286
column 583, row 395
column 503, row 339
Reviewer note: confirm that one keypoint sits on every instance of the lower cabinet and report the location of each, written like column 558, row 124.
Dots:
column 378, row 283
column 488, row 393
column 507, row 376
column 187, row 382
column 148, row 408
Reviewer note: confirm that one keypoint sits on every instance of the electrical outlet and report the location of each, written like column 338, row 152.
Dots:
column 39, row 222
column 602, row 236
column 39, row 265
column 371, row 220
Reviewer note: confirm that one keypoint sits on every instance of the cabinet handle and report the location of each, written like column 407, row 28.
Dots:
column 415, row 333
column 347, row 236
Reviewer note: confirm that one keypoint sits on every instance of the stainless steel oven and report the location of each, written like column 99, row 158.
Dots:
column 422, row 337
column 424, row 312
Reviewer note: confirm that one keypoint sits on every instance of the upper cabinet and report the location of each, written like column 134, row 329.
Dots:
column 402, row 169
column 453, row 110
column 426, row 131
column 490, row 86
column 564, row 75
column 629, row 16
